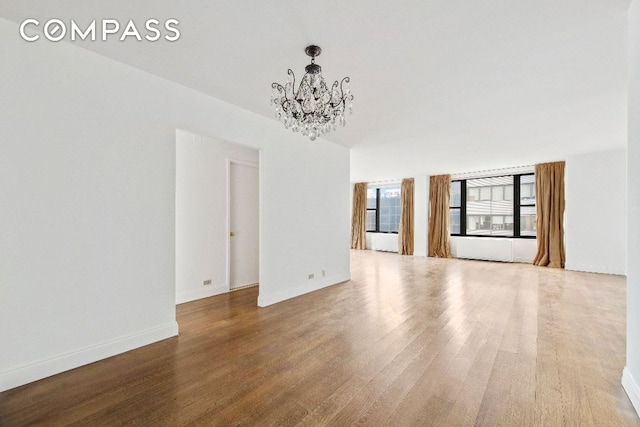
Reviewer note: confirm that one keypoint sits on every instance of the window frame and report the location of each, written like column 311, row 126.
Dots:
column 377, row 210
column 518, row 201
column 517, row 205
column 462, row 208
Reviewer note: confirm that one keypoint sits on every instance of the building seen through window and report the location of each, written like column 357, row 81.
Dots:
column 383, row 209
column 527, row 205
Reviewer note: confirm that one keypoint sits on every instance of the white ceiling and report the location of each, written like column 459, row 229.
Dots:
column 439, row 85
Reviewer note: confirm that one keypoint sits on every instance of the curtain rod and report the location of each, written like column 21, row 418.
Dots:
column 385, row 182
column 493, row 172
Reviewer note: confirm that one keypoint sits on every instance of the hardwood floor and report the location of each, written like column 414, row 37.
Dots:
column 408, row 341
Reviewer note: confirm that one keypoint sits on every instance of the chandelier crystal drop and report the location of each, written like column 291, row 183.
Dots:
column 314, row 109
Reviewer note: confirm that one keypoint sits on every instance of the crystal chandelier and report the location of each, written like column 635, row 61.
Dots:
column 314, row 109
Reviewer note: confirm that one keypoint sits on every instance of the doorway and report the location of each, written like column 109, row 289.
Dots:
column 203, row 167
column 243, row 261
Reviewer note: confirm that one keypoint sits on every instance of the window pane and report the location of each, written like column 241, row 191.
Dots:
column 389, row 209
column 502, row 225
column 508, row 192
column 527, row 220
column 371, row 220
column 478, row 225
column 371, row 198
column 497, row 193
column 485, row 193
column 527, row 190
column 473, row 193
column 456, row 194
column 492, row 214
column 454, row 221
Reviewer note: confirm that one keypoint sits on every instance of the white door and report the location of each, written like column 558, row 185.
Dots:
column 243, row 225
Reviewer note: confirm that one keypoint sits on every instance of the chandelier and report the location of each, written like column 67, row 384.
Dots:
column 313, row 109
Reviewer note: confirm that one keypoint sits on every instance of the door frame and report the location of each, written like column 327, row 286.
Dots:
column 231, row 161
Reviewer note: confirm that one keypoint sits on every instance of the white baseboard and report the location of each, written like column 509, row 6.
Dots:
column 420, row 253
column 632, row 389
column 204, row 292
column 46, row 368
column 265, row 300
column 589, row 268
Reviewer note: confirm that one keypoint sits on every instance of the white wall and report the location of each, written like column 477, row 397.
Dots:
column 631, row 373
column 596, row 212
column 87, row 173
column 201, row 213
column 305, row 218
column 421, row 215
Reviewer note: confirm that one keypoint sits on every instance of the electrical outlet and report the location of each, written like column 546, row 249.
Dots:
column 311, row 276
column 206, row 282
column 324, row 273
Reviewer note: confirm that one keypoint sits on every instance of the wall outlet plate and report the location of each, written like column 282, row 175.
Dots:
column 311, row 276
column 206, row 282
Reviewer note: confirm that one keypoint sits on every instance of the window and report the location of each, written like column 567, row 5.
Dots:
column 502, row 206
column 455, row 207
column 372, row 209
column 383, row 209
column 527, row 205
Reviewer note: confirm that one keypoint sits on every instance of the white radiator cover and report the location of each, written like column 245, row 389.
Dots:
column 489, row 249
column 480, row 248
column 387, row 242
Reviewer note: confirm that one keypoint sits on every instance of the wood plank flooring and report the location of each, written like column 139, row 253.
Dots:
column 408, row 341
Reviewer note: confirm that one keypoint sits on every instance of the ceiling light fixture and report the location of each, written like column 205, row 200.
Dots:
column 314, row 109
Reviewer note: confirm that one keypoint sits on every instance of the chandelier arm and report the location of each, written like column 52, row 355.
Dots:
column 347, row 79
column 293, row 83
column 339, row 101
column 334, row 87
column 277, row 100
column 282, row 90
column 347, row 96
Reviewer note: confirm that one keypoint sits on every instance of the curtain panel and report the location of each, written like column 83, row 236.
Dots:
column 405, row 228
column 550, row 214
column 359, row 216
column 439, row 195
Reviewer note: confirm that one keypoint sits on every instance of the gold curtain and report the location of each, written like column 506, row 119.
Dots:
column 405, row 229
column 550, row 214
column 439, row 194
column 359, row 216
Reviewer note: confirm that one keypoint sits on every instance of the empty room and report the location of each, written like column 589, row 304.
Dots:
column 323, row 214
